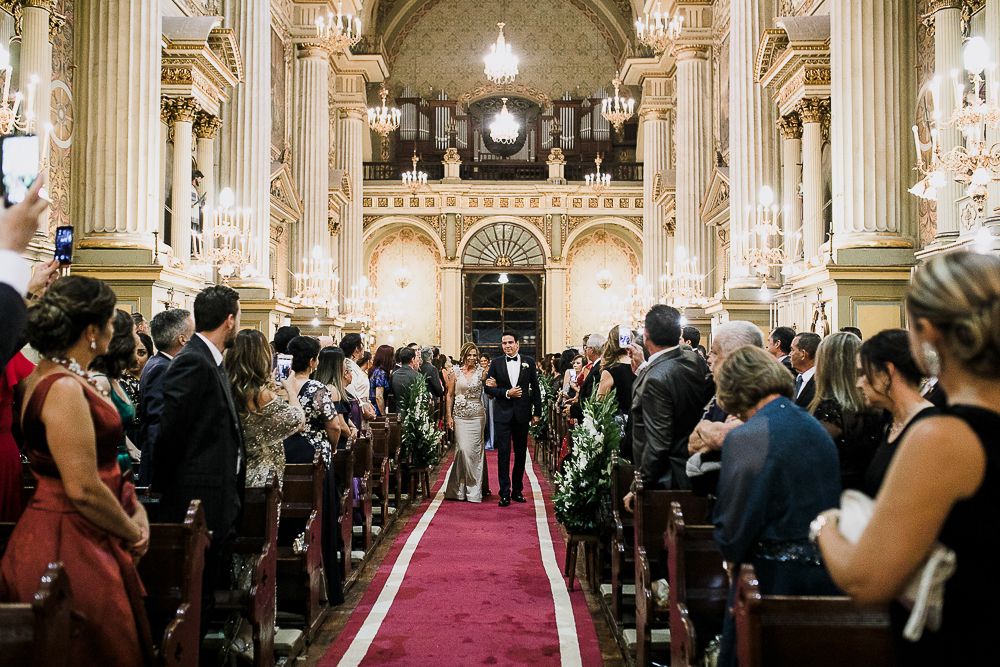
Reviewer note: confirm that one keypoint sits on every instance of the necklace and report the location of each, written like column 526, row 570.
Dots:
column 73, row 367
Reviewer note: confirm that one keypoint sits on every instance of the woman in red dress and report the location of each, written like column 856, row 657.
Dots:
column 83, row 513
column 17, row 369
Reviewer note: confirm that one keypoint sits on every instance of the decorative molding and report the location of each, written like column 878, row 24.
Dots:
column 178, row 109
column 206, row 125
column 790, row 126
column 368, row 220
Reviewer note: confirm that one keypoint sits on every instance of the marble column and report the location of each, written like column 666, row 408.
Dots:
column 948, row 57
column 812, row 111
column 6, row 24
column 557, row 240
column 871, row 104
column 451, row 309
column 555, row 308
column 992, row 36
column 246, row 130
column 694, row 160
column 310, row 153
column 351, row 133
column 179, row 113
column 36, row 61
column 117, row 143
column 450, row 235
column 656, row 158
column 791, row 166
column 205, row 128
column 753, row 141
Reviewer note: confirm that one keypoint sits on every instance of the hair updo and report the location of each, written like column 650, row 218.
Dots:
column 303, row 350
column 71, row 304
column 959, row 293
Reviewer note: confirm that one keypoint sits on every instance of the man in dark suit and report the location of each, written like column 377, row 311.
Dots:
column 171, row 329
column 593, row 351
column 518, row 404
column 429, row 372
column 403, row 377
column 199, row 452
column 803, row 355
column 779, row 345
column 668, row 398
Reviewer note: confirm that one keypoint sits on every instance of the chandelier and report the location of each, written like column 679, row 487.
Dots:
column 630, row 311
column 414, row 180
column 504, row 128
column 501, row 64
column 974, row 164
column 230, row 249
column 598, row 182
column 360, row 306
column 659, row 33
column 616, row 110
column 316, row 285
column 337, row 36
column 604, row 277
column 9, row 120
column 765, row 225
column 383, row 119
column 682, row 286
column 402, row 274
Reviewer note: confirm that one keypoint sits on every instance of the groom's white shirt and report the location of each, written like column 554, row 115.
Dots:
column 514, row 370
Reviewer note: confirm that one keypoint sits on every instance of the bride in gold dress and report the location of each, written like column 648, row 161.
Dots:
column 467, row 416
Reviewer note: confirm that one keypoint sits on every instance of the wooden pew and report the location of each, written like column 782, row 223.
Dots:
column 37, row 633
column 343, row 470
column 395, row 426
column 363, row 463
column 699, row 585
column 381, row 469
column 171, row 572
column 623, row 536
column 299, row 574
column 777, row 630
column 652, row 508
column 258, row 539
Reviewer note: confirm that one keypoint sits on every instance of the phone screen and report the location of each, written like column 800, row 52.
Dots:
column 64, row 245
column 284, row 366
column 19, row 165
column 624, row 337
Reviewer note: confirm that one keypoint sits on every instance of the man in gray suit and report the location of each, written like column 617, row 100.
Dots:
column 403, row 377
column 430, row 373
column 668, row 396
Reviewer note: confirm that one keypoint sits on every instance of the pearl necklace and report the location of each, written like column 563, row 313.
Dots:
column 73, row 367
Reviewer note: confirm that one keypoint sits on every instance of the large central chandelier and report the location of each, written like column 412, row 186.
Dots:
column 630, row 311
column 414, row 180
column 616, row 110
column 316, row 285
column 598, row 182
column 762, row 256
column 504, row 128
column 682, row 286
column 659, row 33
column 383, row 119
column 338, row 35
column 974, row 164
column 501, row 64
column 231, row 248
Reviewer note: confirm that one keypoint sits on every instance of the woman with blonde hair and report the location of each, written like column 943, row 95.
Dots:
column 467, row 417
column 943, row 484
column 839, row 404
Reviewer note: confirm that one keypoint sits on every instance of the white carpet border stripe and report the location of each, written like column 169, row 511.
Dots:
column 358, row 649
column 569, row 643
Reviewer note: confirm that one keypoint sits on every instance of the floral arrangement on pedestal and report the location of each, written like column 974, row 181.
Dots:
column 549, row 392
column 420, row 436
column 585, row 480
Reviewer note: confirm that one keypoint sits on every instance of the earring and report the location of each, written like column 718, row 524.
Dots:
column 93, row 345
column 931, row 358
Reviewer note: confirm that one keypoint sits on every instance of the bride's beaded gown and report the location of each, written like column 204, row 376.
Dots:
column 466, row 479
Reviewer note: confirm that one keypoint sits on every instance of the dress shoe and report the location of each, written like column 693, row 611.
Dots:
column 518, row 498
column 504, row 502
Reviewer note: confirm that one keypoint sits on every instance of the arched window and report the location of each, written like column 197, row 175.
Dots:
column 503, row 244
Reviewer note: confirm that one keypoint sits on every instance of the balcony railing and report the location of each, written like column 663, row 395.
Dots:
column 502, row 171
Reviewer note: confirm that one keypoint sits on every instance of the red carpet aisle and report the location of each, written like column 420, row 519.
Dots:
column 472, row 584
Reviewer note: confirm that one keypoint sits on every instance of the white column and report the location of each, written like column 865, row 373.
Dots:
column 791, row 161
column 310, row 151
column 694, row 159
column 6, row 27
column 205, row 127
column 246, row 129
column 451, row 309
column 811, row 111
column 117, row 143
column 181, row 112
column 992, row 36
column 36, row 60
column 948, row 57
column 753, row 150
column 351, row 134
column 656, row 155
column 555, row 308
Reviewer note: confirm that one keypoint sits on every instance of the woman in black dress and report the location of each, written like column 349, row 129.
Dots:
column 944, row 481
column 617, row 376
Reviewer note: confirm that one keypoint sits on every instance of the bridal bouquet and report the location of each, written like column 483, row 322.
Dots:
column 585, row 480
column 420, row 436
column 548, row 393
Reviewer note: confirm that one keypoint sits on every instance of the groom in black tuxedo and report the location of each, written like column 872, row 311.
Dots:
column 518, row 403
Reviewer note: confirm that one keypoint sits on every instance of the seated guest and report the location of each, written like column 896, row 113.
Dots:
column 840, row 406
column 779, row 344
column 776, row 469
column 108, row 370
column 803, row 356
column 332, row 371
column 890, row 380
column 381, row 368
column 170, row 329
column 84, row 514
column 942, row 484
column 403, row 377
column 617, row 376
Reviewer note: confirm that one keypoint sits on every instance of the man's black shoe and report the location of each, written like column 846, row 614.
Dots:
column 518, row 498
column 504, row 502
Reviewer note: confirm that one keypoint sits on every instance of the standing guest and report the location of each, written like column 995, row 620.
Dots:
column 779, row 345
column 840, row 406
column 132, row 377
column 381, row 367
column 84, row 514
column 443, row 365
column 852, row 330
column 108, row 370
column 403, row 376
column 803, row 356
column 691, row 337
column 282, row 337
column 588, row 383
column 331, row 370
column 777, row 468
column 943, row 484
column 489, row 433
column 366, row 363
column 141, row 325
column 574, row 372
column 10, row 456
column 431, row 374
column 170, row 329
column 617, row 376
column 354, row 349
column 199, row 450
column 890, row 380
column 466, row 416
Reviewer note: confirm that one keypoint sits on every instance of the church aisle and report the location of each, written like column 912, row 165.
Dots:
column 472, row 584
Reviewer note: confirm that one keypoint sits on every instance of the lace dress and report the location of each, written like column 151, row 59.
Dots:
column 466, row 479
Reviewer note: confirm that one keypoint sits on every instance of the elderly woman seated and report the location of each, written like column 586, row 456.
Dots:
column 778, row 468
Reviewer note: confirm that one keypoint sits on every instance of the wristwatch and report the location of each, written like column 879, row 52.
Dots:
column 819, row 523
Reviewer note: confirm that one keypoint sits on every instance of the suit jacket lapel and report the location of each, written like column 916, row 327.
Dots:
column 223, row 382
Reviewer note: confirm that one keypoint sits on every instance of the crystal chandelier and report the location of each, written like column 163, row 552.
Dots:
column 383, row 119
column 9, row 120
column 230, row 249
column 504, row 128
column 316, row 285
column 659, row 33
column 598, row 182
column 630, row 312
column 360, row 306
column 603, row 277
column 974, row 164
column 501, row 64
column 682, row 286
column 337, row 35
column 765, row 225
column 402, row 274
column 616, row 110
column 414, row 180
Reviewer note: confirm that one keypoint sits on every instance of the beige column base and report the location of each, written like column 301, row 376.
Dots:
column 264, row 315
column 145, row 288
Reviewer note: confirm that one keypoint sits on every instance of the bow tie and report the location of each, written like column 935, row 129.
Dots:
column 514, row 358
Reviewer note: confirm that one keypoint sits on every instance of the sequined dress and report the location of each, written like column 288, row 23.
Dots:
column 466, row 479
column 264, row 431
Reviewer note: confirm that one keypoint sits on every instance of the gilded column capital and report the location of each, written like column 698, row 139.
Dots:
column 56, row 23
column 178, row 109
column 938, row 5
column 691, row 52
column 649, row 113
column 206, row 125
column 333, row 217
column 352, row 112
column 46, row 5
column 790, row 126
column 7, row 6
column 315, row 50
column 813, row 109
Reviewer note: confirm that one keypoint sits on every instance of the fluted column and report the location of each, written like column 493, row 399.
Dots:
column 179, row 113
column 811, row 111
column 310, row 152
column 350, row 156
column 555, row 307
column 205, row 127
column 871, row 73
column 6, row 24
column 656, row 158
column 246, row 129
column 753, row 149
column 36, row 60
column 948, row 57
column 992, row 36
column 694, row 158
column 791, row 162
column 117, row 143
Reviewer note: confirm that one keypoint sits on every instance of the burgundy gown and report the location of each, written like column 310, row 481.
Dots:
column 17, row 369
column 104, row 582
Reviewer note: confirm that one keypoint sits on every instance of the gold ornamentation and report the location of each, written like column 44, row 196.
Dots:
column 592, row 202
column 206, row 125
column 414, row 202
column 487, row 202
column 368, row 220
column 623, row 202
column 473, row 202
column 397, row 202
column 609, row 202
column 533, row 202
column 451, row 201
column 178, row 109
column 366, row 202
column 518, row 202
column 383, row 202
column 790, row 126
column 577, row 202
column 429, row 201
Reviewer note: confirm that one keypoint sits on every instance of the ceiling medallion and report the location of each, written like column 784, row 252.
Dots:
column 501, row 64
column 504, row 129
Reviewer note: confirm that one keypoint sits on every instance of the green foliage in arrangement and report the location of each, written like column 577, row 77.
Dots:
column 420, row 434
column 549, row 393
